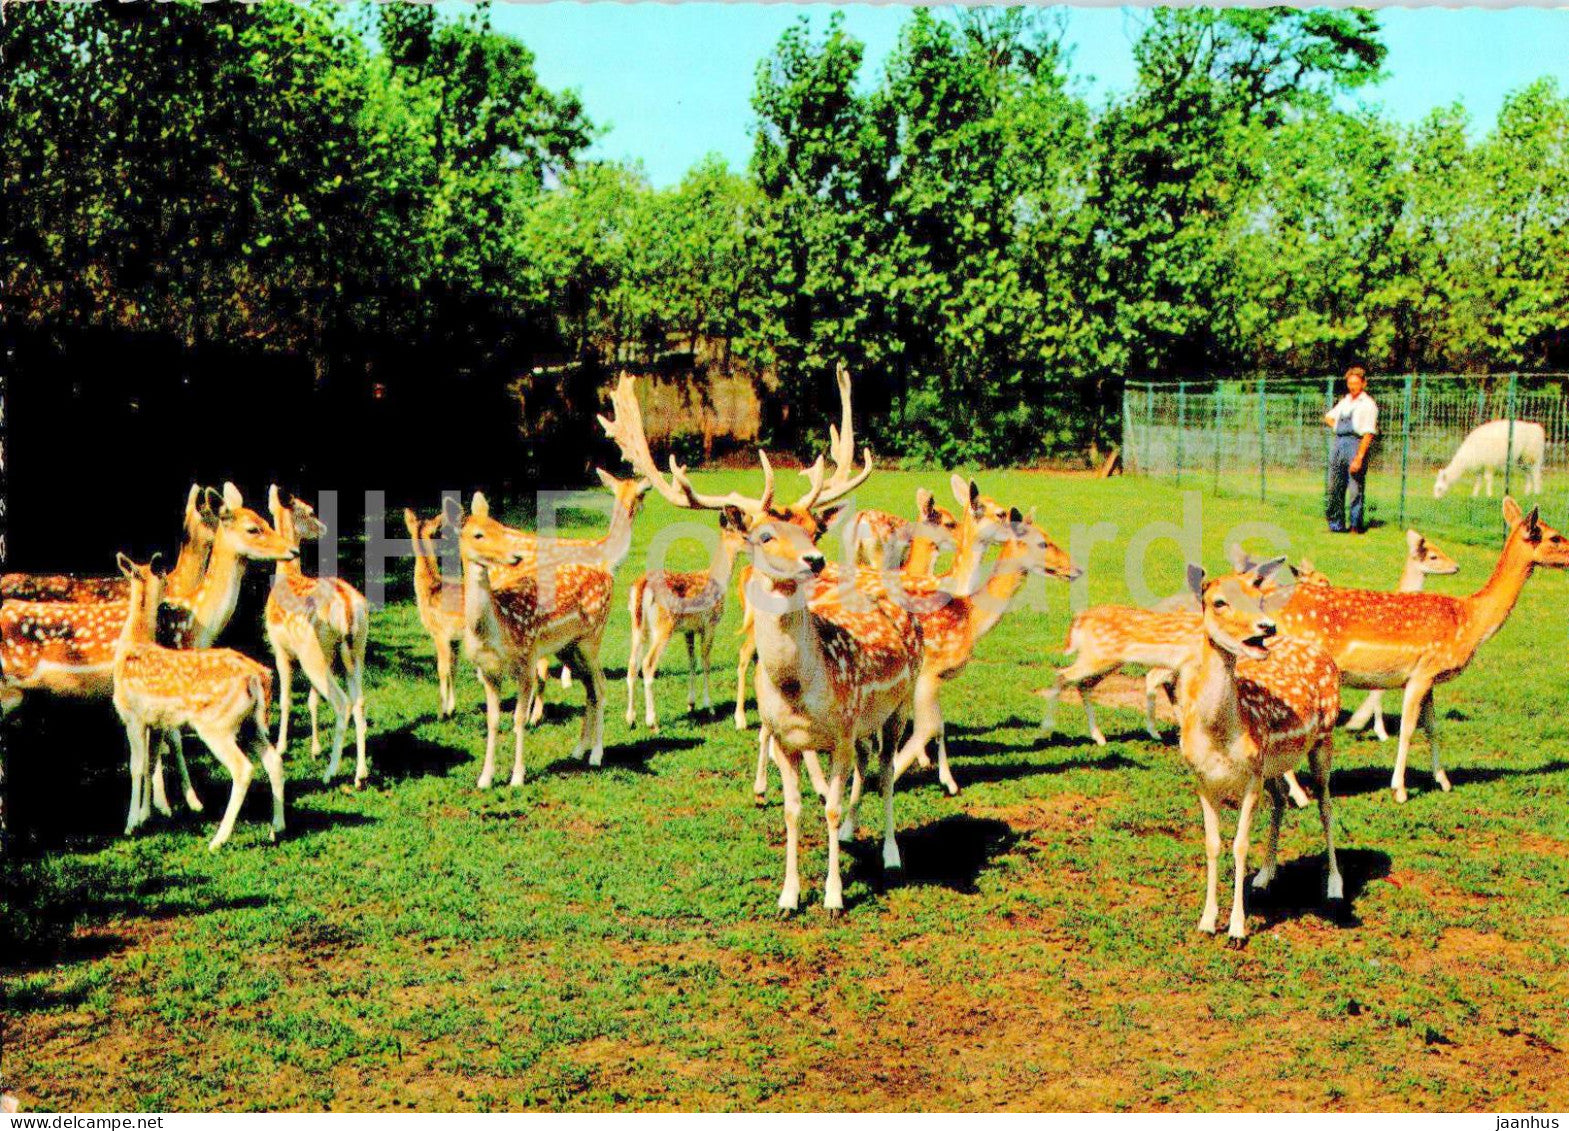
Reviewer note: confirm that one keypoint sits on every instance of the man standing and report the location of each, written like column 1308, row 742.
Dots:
column 1355, row 422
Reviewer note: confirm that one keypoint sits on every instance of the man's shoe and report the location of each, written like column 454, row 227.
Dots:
column 1336, row 528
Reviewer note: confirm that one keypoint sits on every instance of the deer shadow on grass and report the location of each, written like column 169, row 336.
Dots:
column 951, row 852
column 634, row 754
column 1356, row 781
column 402, row 755
column 1297, row 891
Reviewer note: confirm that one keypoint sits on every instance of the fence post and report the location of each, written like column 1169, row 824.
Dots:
column 1149, row 425
column 1215, row 398
column 1127, row 435
column 1329, row 445
column 1182, row 423
column 1405, row 445
column 1509, row 449
column 1481, row 402
column 1261, row 437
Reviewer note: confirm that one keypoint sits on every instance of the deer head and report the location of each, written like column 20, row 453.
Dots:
column 1428, row 557
column 1239, row 609
column 246, row 533
column 1548, row 547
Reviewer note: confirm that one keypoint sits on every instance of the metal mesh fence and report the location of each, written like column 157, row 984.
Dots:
column 1265, row 438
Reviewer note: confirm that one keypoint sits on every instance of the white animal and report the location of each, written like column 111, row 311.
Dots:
column 1487, row 450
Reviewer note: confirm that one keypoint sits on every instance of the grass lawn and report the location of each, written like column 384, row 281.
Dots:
column 603, row 938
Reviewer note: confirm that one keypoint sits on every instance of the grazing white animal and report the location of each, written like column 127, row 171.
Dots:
column 1487, row 450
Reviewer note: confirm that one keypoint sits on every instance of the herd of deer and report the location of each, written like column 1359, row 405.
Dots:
column 850, row 659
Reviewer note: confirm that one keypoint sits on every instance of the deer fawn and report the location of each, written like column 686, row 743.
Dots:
column 1419, row 640
column 321, row 624
column 836, row 660
column 525, row 598
column 1251, row 705
column 664, row 603
column 214, row 691
column 1422, row 558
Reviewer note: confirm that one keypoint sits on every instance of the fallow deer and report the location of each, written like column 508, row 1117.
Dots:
column 525, row 598
column 323, row 625
column 665, row 603
column 1422, row 558
column 1252, row 704
column 183, row 578
column 837, row 657
column 1419, row 640
column 214, row 691
column 890, row 541
column 60, row 649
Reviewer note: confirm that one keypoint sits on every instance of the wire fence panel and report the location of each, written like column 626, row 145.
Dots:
column 1265, row 438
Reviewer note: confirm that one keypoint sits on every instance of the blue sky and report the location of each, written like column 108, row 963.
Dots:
column 672, row 82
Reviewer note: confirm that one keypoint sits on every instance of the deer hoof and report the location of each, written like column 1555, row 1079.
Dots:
column 1443, row 781
column 835, row 913
column 1400, row 795
column 952, row 788
column 1236, row 942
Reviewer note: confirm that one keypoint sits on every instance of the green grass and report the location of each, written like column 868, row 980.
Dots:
column 607, row 938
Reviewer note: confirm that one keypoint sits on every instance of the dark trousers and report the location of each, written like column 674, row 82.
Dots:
column 1345, row 489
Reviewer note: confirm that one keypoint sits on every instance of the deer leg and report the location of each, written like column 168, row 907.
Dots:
column 312, row 700
column 1369, row 712
column 1299, row 796
column 1154, row 680
column 842, row 759
column 691, row 673
column 760, row 781
column 651, row 661
column 814, row 772
column 708, row 654
column 447, row 699
column 1410, row 712
column 487, row 772
column 1238, row 929
column 857, row 783
column 742, row 665
column 228, row 752
column 175, row 741
column 272, row 762
column 594, row 687
column 136, row 738
column 1429, row 720
column 1211, row 915
column 520, row 708
column 354, row 668
column 790, row 787
column 285, row 668
column 1320, row 758
column 892, row 861
column 317, row 667
column 928, row 722
column 944, row 773
column 1086, row 688
column 1277, row 810
column 634, row 665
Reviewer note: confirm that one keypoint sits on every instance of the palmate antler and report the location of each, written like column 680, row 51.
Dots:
column 625, row 427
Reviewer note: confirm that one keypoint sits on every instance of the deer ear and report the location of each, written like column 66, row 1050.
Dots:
column 1196, row 580
column 127, row 566
column 411, row 522
column 1030, row 515
column 152, row 566
column 925, row 503
column 961, row 489
column 480, row 507
column 1238, row 557
column 830, row 515
column 1264, row 570
column 193, row 498
column 610, row 481
column 1413, row 542
column 274, row 502
column 1016, row 516
column 732, row 518
column 231, row 497
column 1305, row 566
column 1511, row 512
column 1277, row 599
column 1533, row 524
column 451, row 511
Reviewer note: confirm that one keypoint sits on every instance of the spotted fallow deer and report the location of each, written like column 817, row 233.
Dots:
column 183, row 578
column 1422, row 558
column 665, row 603
column 1419, row 640
column 525, row 598
column 837, row 657
column 60, row 649
column 893, row 542
column 439, row 599
column 953, row 620
column 214, row 691
column 1252, row 705
column 323, row 625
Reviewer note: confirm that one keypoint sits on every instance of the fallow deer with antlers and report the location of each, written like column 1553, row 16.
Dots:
column 525, row 598
column 1419, row 640
column 836, row 656
column 1252, row 705
column 323, row 625
column 214, row 691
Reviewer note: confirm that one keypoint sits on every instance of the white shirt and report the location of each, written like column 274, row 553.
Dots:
column 1362, row 411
